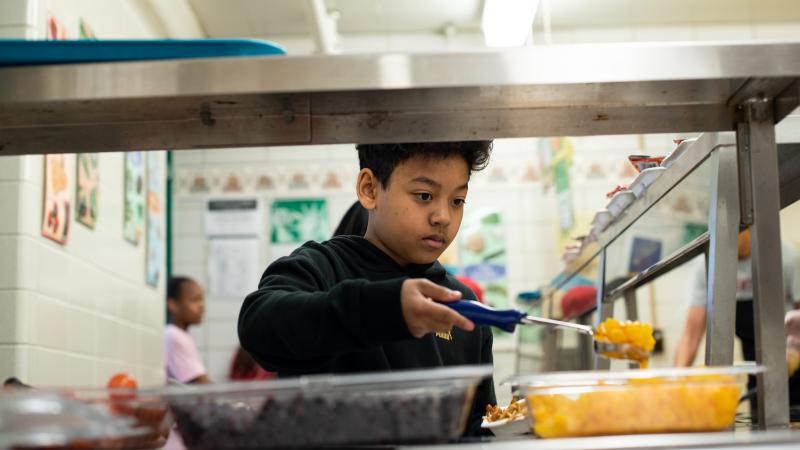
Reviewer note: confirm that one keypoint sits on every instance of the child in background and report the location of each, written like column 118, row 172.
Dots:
column 186, row 305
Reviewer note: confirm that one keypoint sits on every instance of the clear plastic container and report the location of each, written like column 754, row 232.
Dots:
column 148, row 412
column 405, row 406
column 620, row 202
column 594, row 403
column 35, row 419
column 602, row 219
column 645, row 179
column 677, row 153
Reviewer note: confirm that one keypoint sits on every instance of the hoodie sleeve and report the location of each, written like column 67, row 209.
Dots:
column 300, row 319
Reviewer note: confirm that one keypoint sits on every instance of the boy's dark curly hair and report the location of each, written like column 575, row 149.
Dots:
column 383, row 158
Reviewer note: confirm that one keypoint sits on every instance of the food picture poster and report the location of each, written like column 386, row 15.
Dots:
column 86, row 197
column 155, row 234
column 133, row 223
column 56, row 207
column 482, row 255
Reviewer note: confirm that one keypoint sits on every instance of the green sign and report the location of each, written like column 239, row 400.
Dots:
column 298, row 221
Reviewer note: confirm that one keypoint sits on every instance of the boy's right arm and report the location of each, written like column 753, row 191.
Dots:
column 296, row 321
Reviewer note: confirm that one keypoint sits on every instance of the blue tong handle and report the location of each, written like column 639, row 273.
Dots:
column 480, row 314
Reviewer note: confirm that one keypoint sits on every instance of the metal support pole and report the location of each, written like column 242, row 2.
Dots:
column 631, row 313
column 721, row 261
column 631, row 307
column 549, row 340
column 756, row 142
column 604, row 309
column 585, row 344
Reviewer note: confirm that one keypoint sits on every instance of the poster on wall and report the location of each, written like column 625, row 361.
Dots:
column 644, row 254
column 56, row 31
column 299, row 220
column 155, row 233
column 134, row 197
column 56, row 212
column 556, row 156
column 85, row 31
column 483, row 255
column 86, row 195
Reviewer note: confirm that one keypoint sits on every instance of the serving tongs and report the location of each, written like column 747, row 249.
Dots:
column 508, row 319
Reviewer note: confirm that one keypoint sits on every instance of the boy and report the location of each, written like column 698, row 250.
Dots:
column 354, row 304
column 186, row 304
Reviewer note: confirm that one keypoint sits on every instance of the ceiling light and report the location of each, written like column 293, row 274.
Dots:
column 507, row 23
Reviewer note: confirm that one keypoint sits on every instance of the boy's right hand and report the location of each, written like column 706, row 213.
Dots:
column 423, row 315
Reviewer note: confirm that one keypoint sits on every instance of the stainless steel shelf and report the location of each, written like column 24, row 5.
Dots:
column 537, row 91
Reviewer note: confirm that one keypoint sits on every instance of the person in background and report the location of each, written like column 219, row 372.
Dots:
column 186, row 305
column 354, row 221
column 473, row 285
column 366, row 304
column 694, row 328
column 244, row 368
column 792, row 328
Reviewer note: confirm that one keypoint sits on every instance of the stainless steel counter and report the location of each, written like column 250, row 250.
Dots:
column 773, row 440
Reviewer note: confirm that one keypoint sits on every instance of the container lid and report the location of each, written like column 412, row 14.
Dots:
column 593, row 377
column 402, row 379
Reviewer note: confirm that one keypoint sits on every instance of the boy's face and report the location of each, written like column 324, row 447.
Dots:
column 190, row 306
column 418, row 214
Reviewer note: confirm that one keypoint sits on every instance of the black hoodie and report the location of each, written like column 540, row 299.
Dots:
column 335, row 307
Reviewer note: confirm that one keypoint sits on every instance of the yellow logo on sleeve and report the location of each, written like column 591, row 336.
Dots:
column 448, row 336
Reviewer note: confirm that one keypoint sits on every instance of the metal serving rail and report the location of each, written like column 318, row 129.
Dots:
column 536, row 91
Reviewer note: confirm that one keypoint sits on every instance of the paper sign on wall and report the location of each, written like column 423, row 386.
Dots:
column 233, row 267
column 234, row 217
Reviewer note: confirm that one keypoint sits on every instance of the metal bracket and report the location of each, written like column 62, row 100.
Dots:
column 756, row 109
column 287, row 111
column 752, row 110
column 743, row 165
column 206, row 116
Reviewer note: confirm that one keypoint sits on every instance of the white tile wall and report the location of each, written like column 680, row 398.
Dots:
column 14, row 322
column 14, row 361
column 9, row 245
column 18, row 12
column 17, row 32
column 80, row 303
